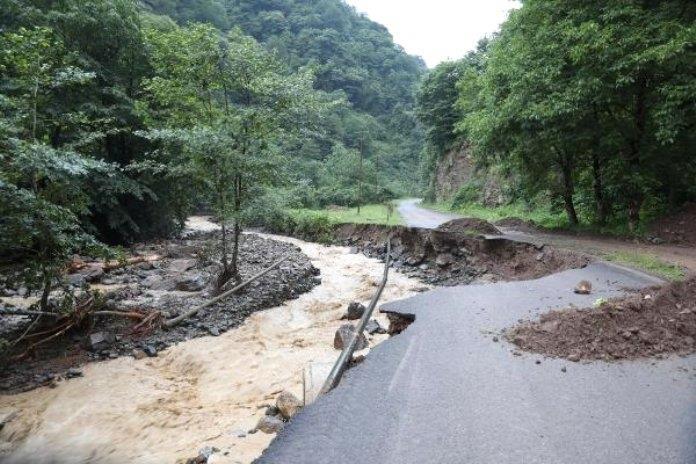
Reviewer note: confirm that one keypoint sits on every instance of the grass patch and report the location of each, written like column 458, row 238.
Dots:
column 648, row 263
column 540, row 217
column 369, row 214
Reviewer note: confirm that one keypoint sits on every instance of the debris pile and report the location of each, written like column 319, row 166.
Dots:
column 653, row 322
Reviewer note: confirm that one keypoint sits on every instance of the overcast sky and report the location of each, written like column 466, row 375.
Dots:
column 437, row 30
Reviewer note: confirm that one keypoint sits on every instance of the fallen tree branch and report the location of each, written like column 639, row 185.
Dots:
column 177, row 320
column 26, row 312
column 130, row 315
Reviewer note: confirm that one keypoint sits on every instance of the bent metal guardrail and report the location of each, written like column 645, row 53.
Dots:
column 347, row 353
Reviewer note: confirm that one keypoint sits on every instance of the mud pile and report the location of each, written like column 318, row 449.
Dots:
column 650, row 323
column 470, row 226
column 454, row 258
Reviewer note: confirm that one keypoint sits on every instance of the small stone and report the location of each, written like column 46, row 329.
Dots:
column 563, row 369
column 138, row 354
column 496, row 339
column 355, row 311
column 583, row 288
column 373, row 327
column 214, row 331
column 272, row 411
column 538, row 361
column 288, row 404
column 99, row 341
column 574, row 358
column 194, row 283
column 206, row 452
column 73, row 372
column 270, row 425
column 150, row 351
column 343, row 336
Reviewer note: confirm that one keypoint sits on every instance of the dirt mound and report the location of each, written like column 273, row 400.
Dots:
column 470, row 226
column 653, row 322
column 678, row 228
column 518, row 224
column 448, row 258
column 179, row 281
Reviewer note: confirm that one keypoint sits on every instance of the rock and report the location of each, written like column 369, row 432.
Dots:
column 540, row 257
column 574, row 357
column 583, row 288
column 182, row 265
column 288, row 404
column 355, row 311
column 214, row 331
column 206, row 452
column 99, row 341
column 496, row 339
column 343, row 336
column 270, row 424
column 92, row 273
column 138, row 354
column 444, row 259
column 191, row 283
column 73, row 372
column 374, row 327
column 156, row 282
column 77, row 280
column 563, row 369
column 272, row 411
column 150, row 351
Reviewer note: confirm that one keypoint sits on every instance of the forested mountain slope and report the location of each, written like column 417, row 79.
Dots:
column 349, row 55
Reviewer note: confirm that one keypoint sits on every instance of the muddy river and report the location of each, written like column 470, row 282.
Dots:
column 204, row 392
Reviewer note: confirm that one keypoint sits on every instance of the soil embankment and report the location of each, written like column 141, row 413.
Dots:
column 454, row 258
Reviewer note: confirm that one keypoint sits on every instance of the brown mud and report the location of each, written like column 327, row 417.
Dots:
column 651, row 323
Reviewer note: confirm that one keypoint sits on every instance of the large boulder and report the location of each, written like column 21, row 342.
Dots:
column 99, row 341
column 343, row 336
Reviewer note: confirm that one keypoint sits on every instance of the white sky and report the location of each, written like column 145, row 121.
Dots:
column 437, row 30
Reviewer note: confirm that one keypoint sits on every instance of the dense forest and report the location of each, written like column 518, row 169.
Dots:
column 119, row 118
column 587, row 106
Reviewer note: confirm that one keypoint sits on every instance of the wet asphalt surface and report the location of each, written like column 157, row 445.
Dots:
column 450, row 389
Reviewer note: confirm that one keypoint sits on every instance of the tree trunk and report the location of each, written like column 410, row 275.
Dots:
column 601, row 209
column 568, row 189
column 237, row 227
column 46, row 290
column 635, row 192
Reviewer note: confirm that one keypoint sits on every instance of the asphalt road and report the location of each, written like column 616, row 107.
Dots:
column 444, row 391
column 416, row 216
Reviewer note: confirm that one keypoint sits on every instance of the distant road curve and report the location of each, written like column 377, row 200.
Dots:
column 415, row 215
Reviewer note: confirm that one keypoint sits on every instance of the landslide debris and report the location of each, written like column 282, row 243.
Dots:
column 452, row 258
column 653, row 322
column 469, row 226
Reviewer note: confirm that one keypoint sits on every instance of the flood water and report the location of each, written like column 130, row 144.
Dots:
column 204, row 392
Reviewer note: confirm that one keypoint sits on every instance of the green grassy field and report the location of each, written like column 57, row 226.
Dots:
column 369, row 214
column 648, row 263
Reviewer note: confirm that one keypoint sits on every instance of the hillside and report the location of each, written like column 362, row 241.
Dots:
column 351, row 56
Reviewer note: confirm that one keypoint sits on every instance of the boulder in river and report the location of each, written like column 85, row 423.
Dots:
column 270, row 424
column 343, row 336
column 355, row 311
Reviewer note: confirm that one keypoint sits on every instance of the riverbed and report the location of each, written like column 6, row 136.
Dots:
column 208, row 391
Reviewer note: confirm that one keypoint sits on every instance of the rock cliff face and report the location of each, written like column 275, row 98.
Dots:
column 454, row 169
column 457, row 168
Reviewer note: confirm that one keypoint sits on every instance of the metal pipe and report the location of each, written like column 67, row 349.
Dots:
column 347, row 353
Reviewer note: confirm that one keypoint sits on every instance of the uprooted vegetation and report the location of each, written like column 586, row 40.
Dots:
column 107, row 310
column 454, row 258
column 651, row 323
